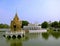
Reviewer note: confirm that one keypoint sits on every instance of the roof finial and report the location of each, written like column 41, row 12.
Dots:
column 16, row 16
column 16, row 13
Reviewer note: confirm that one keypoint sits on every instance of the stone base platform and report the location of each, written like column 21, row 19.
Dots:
column 14, row 34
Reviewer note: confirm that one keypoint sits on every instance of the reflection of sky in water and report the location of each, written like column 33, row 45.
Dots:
column 34, row 39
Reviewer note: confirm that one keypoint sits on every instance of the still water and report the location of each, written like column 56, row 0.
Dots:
column 34, row 39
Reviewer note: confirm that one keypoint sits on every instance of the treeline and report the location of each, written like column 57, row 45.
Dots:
column 45, row 24
column 4, row 26
column 54, row 24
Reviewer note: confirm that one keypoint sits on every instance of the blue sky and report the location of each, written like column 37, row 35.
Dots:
column 30, row 10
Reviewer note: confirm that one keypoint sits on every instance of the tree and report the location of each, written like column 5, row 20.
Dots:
column 59, row 24
column 54, row 24
column 24, row 23
column 4, row 26
column 44, row 24
column 1, row 26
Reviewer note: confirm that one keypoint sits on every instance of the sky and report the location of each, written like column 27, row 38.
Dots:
column 34, row 11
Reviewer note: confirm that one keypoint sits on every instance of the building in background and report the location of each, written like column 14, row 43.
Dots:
column 32, row 27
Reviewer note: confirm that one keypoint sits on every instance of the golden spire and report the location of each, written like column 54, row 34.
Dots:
column 16, row 17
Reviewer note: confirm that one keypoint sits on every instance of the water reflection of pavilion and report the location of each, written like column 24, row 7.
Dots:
column 15, row 42
column 19, row 42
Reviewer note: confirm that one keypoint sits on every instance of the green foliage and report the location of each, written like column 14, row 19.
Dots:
column 24, row 23
column 59, row 24
column 56, row 34
column 45, row 35
column 4, row 26
column 44, row 24
column 54, row 24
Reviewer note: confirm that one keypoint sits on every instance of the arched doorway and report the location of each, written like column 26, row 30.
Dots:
column 14, row 27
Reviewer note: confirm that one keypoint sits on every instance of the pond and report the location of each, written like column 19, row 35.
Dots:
column 32, row 39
